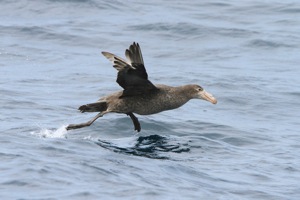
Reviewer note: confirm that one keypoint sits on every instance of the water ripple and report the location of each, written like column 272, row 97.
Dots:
column 153, row 146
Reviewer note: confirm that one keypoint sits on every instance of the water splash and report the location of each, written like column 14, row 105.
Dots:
column 61, row 132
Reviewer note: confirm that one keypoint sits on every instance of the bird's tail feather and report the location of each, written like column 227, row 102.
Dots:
column 93, row 107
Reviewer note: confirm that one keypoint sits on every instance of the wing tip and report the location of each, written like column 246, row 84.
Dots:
column 106, row 54
column 134, row 53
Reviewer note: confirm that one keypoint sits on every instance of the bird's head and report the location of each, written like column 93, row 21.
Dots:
column 200, row 93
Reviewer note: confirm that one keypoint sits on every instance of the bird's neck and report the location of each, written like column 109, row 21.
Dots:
column 180, row 95
column 183, row 92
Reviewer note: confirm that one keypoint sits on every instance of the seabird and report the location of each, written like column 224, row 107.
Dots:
column 139, row 95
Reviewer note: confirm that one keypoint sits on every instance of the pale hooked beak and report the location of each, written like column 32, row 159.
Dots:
column 208, row 97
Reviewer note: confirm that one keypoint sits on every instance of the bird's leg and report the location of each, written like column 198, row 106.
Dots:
column 135, row 121
column 75, row 126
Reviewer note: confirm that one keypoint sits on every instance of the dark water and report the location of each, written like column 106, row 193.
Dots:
column 246, row 53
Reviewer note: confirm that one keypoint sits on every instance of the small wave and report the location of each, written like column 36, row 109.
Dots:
column 268, row 44
column 61, row 132
column 170, row 29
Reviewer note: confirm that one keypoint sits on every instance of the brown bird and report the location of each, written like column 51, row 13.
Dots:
column 140, row 96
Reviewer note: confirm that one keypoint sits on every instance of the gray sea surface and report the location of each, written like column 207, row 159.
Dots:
column 246, row 53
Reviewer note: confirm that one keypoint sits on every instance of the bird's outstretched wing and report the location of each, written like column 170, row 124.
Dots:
column 132, row 75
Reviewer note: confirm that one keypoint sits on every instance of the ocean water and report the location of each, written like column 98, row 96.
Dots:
column 246, row 53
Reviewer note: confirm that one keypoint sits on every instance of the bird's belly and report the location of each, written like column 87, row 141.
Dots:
column 147, row 112
column 152, row 107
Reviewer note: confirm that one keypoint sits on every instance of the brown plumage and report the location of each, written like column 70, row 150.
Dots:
column 140, row 96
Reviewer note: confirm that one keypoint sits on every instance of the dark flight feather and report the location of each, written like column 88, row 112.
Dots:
column 132, row 75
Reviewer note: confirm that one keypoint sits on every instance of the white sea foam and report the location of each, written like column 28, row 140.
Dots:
column 61, row 132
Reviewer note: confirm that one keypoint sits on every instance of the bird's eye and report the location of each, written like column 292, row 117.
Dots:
column 200, row 89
